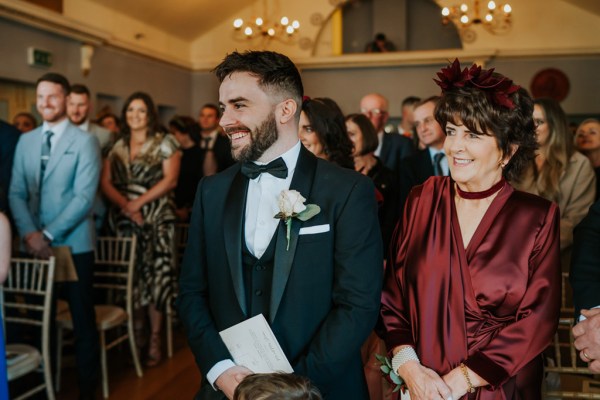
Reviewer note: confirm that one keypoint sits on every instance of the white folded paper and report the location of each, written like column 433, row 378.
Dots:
column 253, row 345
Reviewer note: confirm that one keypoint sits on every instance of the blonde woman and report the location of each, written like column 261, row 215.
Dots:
column 587, row 141
column 559, row 173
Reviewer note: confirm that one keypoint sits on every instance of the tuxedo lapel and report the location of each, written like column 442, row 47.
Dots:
column 302, row 182
column 67, row 139
column 232, row 228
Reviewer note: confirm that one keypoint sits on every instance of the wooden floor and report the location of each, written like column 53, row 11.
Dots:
column 174, row 378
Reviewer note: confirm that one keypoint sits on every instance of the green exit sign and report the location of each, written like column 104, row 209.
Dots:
column 39, row 58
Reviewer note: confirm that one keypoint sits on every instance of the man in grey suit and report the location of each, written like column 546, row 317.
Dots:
column 79, row 105
column 54, row 180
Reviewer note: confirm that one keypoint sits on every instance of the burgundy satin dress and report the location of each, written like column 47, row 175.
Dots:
column 494, row 305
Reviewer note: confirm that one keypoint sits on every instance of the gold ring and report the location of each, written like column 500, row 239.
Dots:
column 583, row 353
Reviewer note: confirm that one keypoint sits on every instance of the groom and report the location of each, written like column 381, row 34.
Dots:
column 320, row 292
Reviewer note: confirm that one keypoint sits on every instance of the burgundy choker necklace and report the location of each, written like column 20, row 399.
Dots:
column 480, row 195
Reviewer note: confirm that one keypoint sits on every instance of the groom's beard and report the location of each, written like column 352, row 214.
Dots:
column 261, row 139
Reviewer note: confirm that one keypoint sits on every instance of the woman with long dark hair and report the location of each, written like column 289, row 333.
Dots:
column 138, row 177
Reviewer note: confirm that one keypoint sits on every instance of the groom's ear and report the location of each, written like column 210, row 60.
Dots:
column 286, row 111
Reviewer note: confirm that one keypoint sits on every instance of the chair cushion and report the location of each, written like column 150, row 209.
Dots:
column 21, row 359
column 107, row 317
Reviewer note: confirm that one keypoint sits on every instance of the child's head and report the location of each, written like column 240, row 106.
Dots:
column 276, row 386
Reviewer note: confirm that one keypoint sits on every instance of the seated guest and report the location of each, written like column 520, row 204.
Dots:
column 25, row 122
column 559, row 173
column 138, row 177
column 585, row 280
column 9, row 136
column 190, row 172
column 323, row 131
column 430, row 160
column 587, row 141
column 111, row 122
column 407, row 124
column 363, row 136
column 472, row 296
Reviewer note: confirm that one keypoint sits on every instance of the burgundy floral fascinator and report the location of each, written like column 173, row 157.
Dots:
column 497, row 87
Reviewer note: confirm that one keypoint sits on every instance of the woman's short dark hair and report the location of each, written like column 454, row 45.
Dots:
column 153, row 123
column 328, row 123
column 471, row 106
column 276, row 386
column 370, row 141
column 186, row 125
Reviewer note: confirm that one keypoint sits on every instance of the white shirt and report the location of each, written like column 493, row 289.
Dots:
column 85, row 126
column 58, row 131
column 211, row 142
column 443, row 161
column 260, row 224
column 380, row 144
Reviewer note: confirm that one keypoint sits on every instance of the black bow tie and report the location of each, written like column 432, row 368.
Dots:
column 277, row 168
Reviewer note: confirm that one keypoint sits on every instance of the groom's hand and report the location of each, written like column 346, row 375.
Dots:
column 228, row 380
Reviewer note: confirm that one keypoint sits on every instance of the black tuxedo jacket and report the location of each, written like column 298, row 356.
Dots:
column 222, row 149
column 414, row 170
column 585, row 261
column 326, row 288
column 394, row 148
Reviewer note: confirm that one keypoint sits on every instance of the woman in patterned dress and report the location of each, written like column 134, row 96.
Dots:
column 138, row 177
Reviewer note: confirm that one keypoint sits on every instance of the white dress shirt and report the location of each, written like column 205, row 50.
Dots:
column 443, row 161
column 259, row 223
column 57, row 129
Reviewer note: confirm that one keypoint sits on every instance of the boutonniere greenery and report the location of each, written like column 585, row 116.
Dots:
column 291, row 205
column 388, row 372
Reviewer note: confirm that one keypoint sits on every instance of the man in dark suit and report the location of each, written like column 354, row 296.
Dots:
column 54, row 180
column 9, row 136
column 215, row 146
column 392, row 147
column 430, row 161
column 319, row 288
column 585, row 280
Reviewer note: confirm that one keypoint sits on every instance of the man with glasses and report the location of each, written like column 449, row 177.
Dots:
column 392, row 147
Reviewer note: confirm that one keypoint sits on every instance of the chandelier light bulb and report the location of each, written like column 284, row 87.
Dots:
column 464, row 19
column 492, row 5
column 237, row 24
column 289, row 30
column 285, row 21
column 271, row 32
column 445, row 11
column 507, row 8
column 489, row 17
column 259, row 21
column 248, row 31
column 296, row 24
column 464, row 8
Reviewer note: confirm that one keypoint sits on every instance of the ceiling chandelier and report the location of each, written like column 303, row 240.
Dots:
column 267, row 26
column 495, row 19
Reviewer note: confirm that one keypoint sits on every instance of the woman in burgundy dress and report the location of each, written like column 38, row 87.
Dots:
column 472, row 296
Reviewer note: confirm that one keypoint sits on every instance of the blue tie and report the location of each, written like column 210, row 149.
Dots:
column 437, row 164
column 46, row 147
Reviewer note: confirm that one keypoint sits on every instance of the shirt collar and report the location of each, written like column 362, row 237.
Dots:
column 290, row 158
column 85, row 126
column 57, row 129
column 433, row 152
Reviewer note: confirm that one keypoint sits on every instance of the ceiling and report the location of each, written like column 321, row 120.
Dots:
column 592, row 6
column 186, row 19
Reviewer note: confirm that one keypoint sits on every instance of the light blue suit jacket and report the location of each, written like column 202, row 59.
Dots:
column 67, row 191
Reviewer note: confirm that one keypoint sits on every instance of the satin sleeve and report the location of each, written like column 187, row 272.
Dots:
column 536, row 319
column 394, row 312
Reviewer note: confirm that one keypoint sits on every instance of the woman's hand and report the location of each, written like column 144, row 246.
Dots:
column 132, row 207
column 137, row 218
column 456, row 381
column 423, row 383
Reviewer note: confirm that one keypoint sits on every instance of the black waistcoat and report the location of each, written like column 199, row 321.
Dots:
column 258, row 277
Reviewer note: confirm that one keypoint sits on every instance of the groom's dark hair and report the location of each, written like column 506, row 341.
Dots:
column 55, row 78
column 276, row 73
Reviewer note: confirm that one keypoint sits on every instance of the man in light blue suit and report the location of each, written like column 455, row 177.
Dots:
column 55, row 176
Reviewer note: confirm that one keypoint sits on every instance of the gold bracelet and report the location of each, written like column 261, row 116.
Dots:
column 470, row 388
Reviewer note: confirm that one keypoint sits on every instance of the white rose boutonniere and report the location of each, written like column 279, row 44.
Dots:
column 291, row 205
